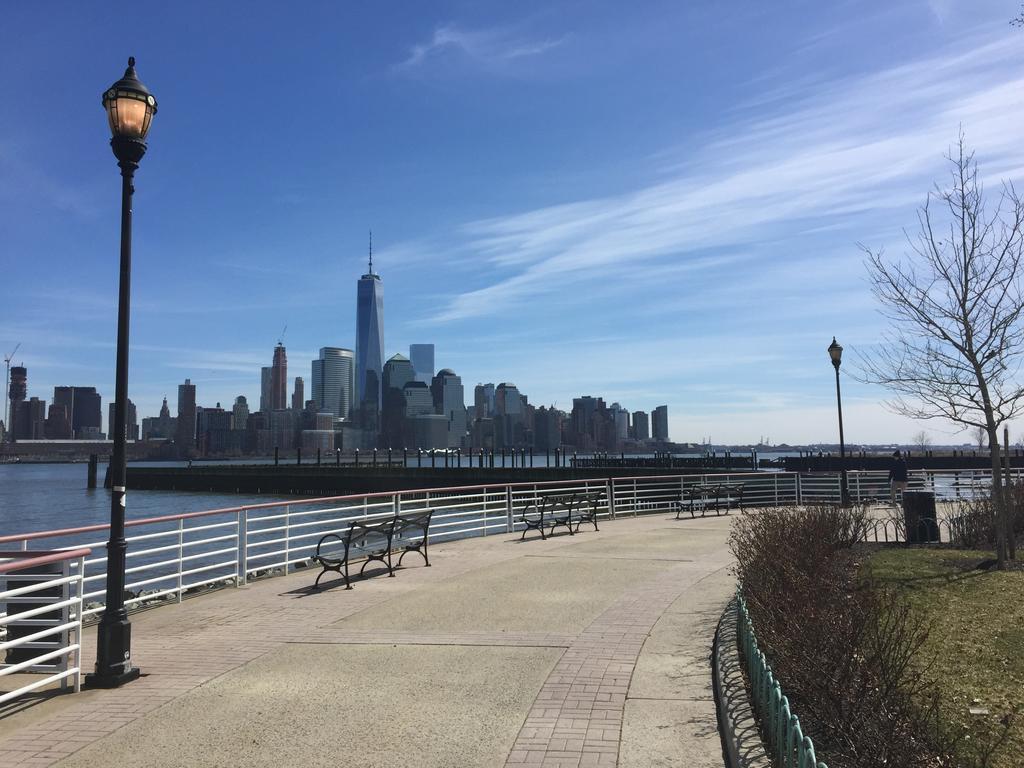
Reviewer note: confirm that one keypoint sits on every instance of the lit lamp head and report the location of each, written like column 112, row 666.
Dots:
column 130, row 108
column 835, row 351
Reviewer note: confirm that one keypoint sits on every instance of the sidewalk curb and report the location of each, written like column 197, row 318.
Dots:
column 741, row 741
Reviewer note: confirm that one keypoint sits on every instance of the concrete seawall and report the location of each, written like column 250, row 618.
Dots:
column 313, row 480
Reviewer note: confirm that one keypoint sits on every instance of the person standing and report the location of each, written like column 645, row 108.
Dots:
column 897, row 476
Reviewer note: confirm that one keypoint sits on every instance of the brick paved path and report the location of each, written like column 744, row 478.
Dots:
column 575, row 720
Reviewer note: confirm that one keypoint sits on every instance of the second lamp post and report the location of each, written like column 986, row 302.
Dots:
column 130, row 108
column 835, row 351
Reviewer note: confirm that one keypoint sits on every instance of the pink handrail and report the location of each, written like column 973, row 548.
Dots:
column 40, row 558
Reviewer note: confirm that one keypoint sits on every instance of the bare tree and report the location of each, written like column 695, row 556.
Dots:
column 922, row 441
column 957, row 338
column 980, row 436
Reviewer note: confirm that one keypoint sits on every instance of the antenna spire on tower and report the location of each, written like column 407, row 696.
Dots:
column 371, row 251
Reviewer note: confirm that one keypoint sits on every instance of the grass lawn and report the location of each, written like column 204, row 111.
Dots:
column 976, row 638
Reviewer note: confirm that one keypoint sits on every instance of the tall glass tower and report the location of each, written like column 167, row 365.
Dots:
column 369, row 336
column 333, row 378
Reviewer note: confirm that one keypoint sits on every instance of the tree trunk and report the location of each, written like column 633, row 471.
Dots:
column 1009, row 497
column 997, row 496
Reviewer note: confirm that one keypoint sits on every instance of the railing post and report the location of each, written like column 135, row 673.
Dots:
column 181, row 554
column 775, row 488
column 78, row 622
column 509, row 522
column 243, row 547
column 396, row 504
column 799, row 490
column 287, row 536
column 609, row 488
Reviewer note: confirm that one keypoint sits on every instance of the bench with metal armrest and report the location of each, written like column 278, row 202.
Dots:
column 707, row 496
column 374, row 541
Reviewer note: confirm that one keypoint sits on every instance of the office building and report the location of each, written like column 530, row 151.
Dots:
column 509, row 417
column 450, row 401
column 483, row 400
column 266, row 376
column 641, row 426
column 279, row 379
column 239, row 413
column 547, row 429
column 299, row 395
column 333, row 381
column 422, row 358
column 369, row 340
column 185, row 433
column 131, row 421
column 30, row 419
column 418, row 400
column 620, row 417
column 397, row 373
column 17, row 392
column 160, row 427
column 659, row 423
column 84, row 410
column 58, row 425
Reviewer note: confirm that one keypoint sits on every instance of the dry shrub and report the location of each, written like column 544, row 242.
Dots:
column 974, row 527
column 841, row 650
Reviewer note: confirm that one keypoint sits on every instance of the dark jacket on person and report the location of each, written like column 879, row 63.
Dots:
column 898, row 472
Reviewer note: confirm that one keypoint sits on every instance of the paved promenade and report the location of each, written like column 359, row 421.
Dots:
column 591, row 650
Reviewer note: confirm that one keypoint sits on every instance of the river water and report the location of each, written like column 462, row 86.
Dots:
column 40, row 497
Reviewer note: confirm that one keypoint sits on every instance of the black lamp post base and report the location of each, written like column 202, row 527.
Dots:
column 113, row 655
column 112, row 679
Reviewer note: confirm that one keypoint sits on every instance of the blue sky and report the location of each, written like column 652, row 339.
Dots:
column 652, row 202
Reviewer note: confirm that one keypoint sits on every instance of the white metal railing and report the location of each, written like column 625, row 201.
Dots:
column 169, row 557
column 42, row 619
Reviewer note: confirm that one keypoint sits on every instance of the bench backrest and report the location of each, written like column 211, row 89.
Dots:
column 412, row 525
column 374, row 535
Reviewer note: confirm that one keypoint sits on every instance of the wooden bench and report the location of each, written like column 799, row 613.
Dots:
column 374, row 541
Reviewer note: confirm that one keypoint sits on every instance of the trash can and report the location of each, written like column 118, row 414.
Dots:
column 17, row 629
column 919, row 517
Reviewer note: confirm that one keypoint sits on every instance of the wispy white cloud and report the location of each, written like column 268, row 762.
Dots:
column 494, row 46
column 855, row 149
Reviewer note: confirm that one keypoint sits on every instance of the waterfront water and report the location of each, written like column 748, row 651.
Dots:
column 39, row 497
column 36, row 497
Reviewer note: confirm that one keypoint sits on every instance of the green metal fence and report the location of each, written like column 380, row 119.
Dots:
column 786, row 740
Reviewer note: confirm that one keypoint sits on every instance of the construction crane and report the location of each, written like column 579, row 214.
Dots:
column 280, row 339
column 7, row 385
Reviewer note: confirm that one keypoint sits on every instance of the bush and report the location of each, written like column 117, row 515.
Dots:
column 973, row 526
column 841, row 649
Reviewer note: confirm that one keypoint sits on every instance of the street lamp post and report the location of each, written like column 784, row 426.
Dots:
column 835, row 351
column 130, row 108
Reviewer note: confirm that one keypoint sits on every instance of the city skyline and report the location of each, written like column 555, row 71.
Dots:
column 598, row 203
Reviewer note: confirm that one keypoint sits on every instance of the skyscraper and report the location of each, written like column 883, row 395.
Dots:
column 369, row 337
column 279, row 379
column 131, row 421
column 265, row 398
column 240, row 413
column 18, row 392
column 84, row 410
column 659, row 422
column 450, row 401
column 397, row 373
column 30, row 419
column 641, row 425
column 333, row 381
column 185, row 434
column 422, row 358
column 299, row 395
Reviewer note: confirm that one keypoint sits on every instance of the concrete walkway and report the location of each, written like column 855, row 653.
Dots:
column 590, row 650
